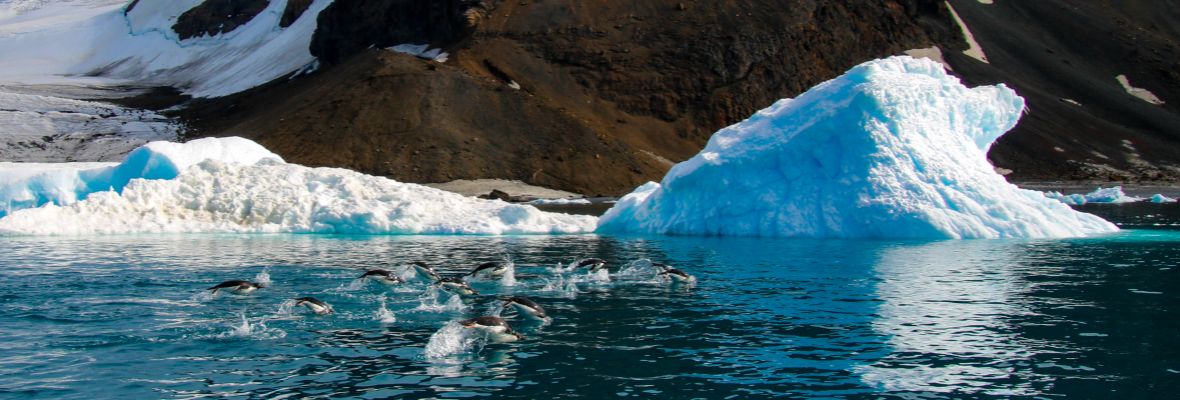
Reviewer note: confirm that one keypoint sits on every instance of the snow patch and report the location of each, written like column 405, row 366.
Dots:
column 893, row 148
column 94, row 42
column 1142, row 94
column 973, row 48
column 931, row 53
column 423, row 51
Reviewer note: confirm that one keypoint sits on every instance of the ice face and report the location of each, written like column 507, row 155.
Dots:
column 235, row 185
column 894, row 148
column 33, row 185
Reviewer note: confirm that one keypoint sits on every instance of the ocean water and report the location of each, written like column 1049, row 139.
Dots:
column 127, row 317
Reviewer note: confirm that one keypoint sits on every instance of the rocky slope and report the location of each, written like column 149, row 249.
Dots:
column 597, row 97
column 1065, row 57
column 591, row 97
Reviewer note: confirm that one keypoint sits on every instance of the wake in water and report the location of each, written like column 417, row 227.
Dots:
column 383, row 314
column 263, row 277
column 432, row 301
column 254, row 331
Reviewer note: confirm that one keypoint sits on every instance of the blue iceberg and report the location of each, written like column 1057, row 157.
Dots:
column 894, row 148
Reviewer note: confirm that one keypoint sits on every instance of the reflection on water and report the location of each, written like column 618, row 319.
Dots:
column 128, row 316
column 945, row 311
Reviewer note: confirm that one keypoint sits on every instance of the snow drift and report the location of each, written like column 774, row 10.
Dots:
column 235, row 185
column 894, row 148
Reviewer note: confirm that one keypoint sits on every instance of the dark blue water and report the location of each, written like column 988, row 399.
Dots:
column 124, row 317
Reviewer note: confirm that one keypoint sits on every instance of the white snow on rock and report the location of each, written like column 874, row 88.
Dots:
column 974, row 50
column 93, row 42
column 1110, row 195
column 422, row 51
column 235, row 185
column 1141, row 93
column 894, row 148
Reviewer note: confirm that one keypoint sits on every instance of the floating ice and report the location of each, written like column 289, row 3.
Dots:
column 235, row 185
column 560, row 202
column 33, row 185
column 894, row 148
column 1159, row 198
column 1111, row 195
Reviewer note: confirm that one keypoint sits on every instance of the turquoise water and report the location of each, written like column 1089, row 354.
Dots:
column 126, row 317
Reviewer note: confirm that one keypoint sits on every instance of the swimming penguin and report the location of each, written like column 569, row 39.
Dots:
column 491, row 268
column 676, row 274
column 383, row 276
column 315, row 305
column 497, row 328
column 455, row 284
column 595, row 264
column 525, row 306
column 425, row 271
column 237, row 287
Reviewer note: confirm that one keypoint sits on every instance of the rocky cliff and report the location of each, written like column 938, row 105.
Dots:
column 597, row 97
column 593, row 97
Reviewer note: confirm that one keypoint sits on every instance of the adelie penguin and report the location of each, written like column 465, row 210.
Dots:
column 491, row 268
column 425, row 271
column 594, row 264
column 497, row 328
column 455, row 284
column 525, row 306
column 315, row 305
column 237, row 287
column 382, row 276
column 676, row 274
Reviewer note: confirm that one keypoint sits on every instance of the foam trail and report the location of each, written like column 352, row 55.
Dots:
column 287, row 307
column 453, row 339
column 383, row 314
column 257, row 330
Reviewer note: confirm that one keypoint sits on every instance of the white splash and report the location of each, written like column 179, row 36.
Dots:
column 257, row 330
column 383, row 314
column 453, row 339
column 263, row 277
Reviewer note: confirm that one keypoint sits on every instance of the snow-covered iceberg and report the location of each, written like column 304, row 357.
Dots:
column 235, row 185
column 894, row 148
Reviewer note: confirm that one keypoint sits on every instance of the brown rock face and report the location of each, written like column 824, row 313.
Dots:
column 587, row 96
column 216, row 16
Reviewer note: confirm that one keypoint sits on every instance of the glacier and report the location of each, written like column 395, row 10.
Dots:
column 94, row 42
column 894, row 148
column 235, row 185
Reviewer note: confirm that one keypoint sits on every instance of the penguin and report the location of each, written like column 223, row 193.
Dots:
column 491, row 268
column 676, row 274
column 426, row 271
column 237, row 287
column 497, row 328
column 595, row 264
column 383, row 276
column 315, row 305
column 455, row 284
column 525, row 306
